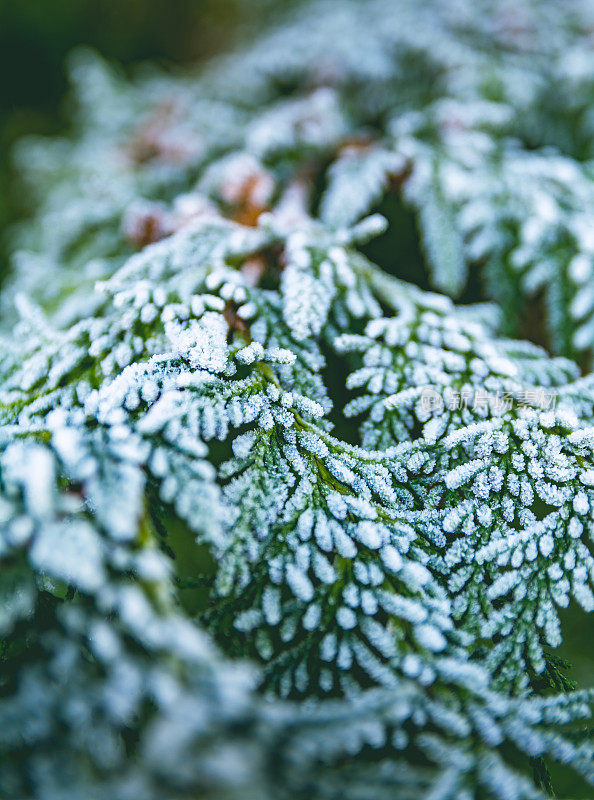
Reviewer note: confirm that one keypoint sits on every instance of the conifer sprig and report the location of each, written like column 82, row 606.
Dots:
column 279, row 518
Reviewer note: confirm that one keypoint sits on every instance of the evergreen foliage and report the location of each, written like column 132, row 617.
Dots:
column 277, row 520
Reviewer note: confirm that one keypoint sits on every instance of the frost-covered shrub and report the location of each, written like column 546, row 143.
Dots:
column 274, row 521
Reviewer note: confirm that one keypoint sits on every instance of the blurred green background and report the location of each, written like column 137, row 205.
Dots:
column 37, row 35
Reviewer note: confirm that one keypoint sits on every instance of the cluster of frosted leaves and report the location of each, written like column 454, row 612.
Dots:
column 328, row 568
column 325, row 580
column 502, row 459
column 482, row 201
column 413, row 573
column 181, row 299
column 516, row 499
column 66, row 576
column 108, row 691
column 523, row 216
column 98, row 669
column 433, row 368
column 446, row 103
